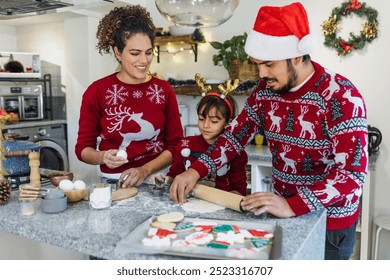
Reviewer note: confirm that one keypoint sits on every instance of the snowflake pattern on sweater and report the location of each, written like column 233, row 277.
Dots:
column 318, row 140
column 143, row 119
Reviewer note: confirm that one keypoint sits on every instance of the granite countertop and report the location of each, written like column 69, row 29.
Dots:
column 98, row 232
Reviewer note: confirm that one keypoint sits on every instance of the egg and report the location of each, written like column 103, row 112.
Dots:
column 79, row 184
column 122, row 154
column 66, row 185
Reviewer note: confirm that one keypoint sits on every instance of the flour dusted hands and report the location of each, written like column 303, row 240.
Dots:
column 111, row 159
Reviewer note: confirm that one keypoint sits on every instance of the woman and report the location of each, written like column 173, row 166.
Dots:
column 130, row 110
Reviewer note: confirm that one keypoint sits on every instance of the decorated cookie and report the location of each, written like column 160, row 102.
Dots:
column 182, row 243
column 241, row 253
column 184, row 227
column 251, row 233
column 218, row 245
column 172, row 217
column 161, row 233
column 230, row 237
column 199, row 238
column 222, row 228
column 260, row 242
column 156, row 241
column 205, row 228
column 158, row 224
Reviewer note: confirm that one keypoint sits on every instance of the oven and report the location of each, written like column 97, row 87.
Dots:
column 25, row 101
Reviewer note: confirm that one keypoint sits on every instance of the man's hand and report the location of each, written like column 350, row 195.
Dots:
column 261, row 202
column 183, row 184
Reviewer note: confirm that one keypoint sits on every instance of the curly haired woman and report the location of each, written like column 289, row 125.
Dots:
column 135, row 115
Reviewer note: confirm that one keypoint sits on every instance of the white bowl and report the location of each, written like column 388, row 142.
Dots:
column 179, row 30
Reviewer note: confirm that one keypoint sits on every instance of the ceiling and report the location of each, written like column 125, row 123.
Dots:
column 43, row 11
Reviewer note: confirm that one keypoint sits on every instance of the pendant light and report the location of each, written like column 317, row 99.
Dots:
column 197, row 13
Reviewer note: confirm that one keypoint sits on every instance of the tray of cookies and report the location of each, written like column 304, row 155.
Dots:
column 174, row 234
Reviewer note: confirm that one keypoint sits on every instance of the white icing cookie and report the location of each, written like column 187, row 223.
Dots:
column 172, row 217
column 158, row 224
column 242, row 253
column 156, row 241
column 160, row 232
column 199, row 238
column 230, row 237
column 182, row 243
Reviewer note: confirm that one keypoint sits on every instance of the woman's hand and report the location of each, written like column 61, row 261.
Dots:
column 261, row 202
column 111, row 160
column 133, row 177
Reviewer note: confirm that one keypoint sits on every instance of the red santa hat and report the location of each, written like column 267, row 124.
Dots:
column 280, row 33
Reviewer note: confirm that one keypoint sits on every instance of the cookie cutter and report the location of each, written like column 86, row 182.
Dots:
column 158, row 188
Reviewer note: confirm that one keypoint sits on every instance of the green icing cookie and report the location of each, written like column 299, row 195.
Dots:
column 222, row 228
column 184, row 227
column 260, row 242
column 217, row 245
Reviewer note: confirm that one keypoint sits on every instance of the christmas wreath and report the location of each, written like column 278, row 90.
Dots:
column 368, row 32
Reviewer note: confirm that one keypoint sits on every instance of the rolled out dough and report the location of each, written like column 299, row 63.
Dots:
column 201, row 206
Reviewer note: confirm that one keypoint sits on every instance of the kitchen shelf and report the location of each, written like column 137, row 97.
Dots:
column 47, row 90
column 193, row 90
column 177, row 40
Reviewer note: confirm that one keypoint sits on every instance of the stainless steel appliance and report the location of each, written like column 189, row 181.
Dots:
column 25, row 101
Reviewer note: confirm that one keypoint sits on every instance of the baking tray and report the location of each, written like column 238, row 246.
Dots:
column 132, row 243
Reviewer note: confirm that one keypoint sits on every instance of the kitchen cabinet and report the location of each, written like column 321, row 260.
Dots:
column 184, row 40
column 260, row 163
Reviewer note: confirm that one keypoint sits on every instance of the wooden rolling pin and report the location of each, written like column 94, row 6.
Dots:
column 220, row 197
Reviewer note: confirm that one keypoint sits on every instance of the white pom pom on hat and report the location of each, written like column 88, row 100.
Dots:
column 280, row 33
column 185, row 152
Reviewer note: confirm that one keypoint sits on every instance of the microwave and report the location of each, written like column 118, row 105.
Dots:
column 29, row 65
column 25, row 101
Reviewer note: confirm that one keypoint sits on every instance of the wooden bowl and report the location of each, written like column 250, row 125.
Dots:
column 57, row 177
column 76, row 195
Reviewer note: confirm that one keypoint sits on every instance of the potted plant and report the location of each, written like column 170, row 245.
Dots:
column 232, row 56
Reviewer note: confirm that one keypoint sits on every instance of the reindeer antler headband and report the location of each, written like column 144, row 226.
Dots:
column 200, row 81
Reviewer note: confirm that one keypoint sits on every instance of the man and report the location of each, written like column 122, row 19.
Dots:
column 315, row 122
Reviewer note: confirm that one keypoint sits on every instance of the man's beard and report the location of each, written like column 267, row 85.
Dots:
column 291, row 82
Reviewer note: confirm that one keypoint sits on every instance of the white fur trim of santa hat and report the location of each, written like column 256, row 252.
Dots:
column 280, row 33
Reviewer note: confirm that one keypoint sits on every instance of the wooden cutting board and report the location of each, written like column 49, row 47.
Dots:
column 121, row 194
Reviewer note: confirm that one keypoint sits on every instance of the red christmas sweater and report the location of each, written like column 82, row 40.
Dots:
column 230, row 177
column 144, row 119
column 318, row 140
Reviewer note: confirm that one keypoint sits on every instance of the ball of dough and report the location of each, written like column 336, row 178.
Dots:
column 66, row 185
column 122, row 154
column 79, row 184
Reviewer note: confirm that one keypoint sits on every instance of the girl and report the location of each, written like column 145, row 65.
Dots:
column 214, row 110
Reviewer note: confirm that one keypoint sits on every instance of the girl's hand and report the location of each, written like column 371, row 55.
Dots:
column 133, row 177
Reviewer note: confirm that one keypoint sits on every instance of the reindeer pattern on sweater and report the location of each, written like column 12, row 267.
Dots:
column 318, row 140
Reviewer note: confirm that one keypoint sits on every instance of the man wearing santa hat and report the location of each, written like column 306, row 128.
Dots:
column 315, row 122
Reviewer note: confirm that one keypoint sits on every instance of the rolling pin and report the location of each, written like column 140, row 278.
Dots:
column 220, row 197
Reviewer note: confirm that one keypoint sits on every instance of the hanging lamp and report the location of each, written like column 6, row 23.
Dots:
column 197, row 13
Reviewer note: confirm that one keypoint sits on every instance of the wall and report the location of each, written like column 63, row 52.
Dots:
column 81, row 64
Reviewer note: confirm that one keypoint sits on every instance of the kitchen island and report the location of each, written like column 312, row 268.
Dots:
column 99, row 232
